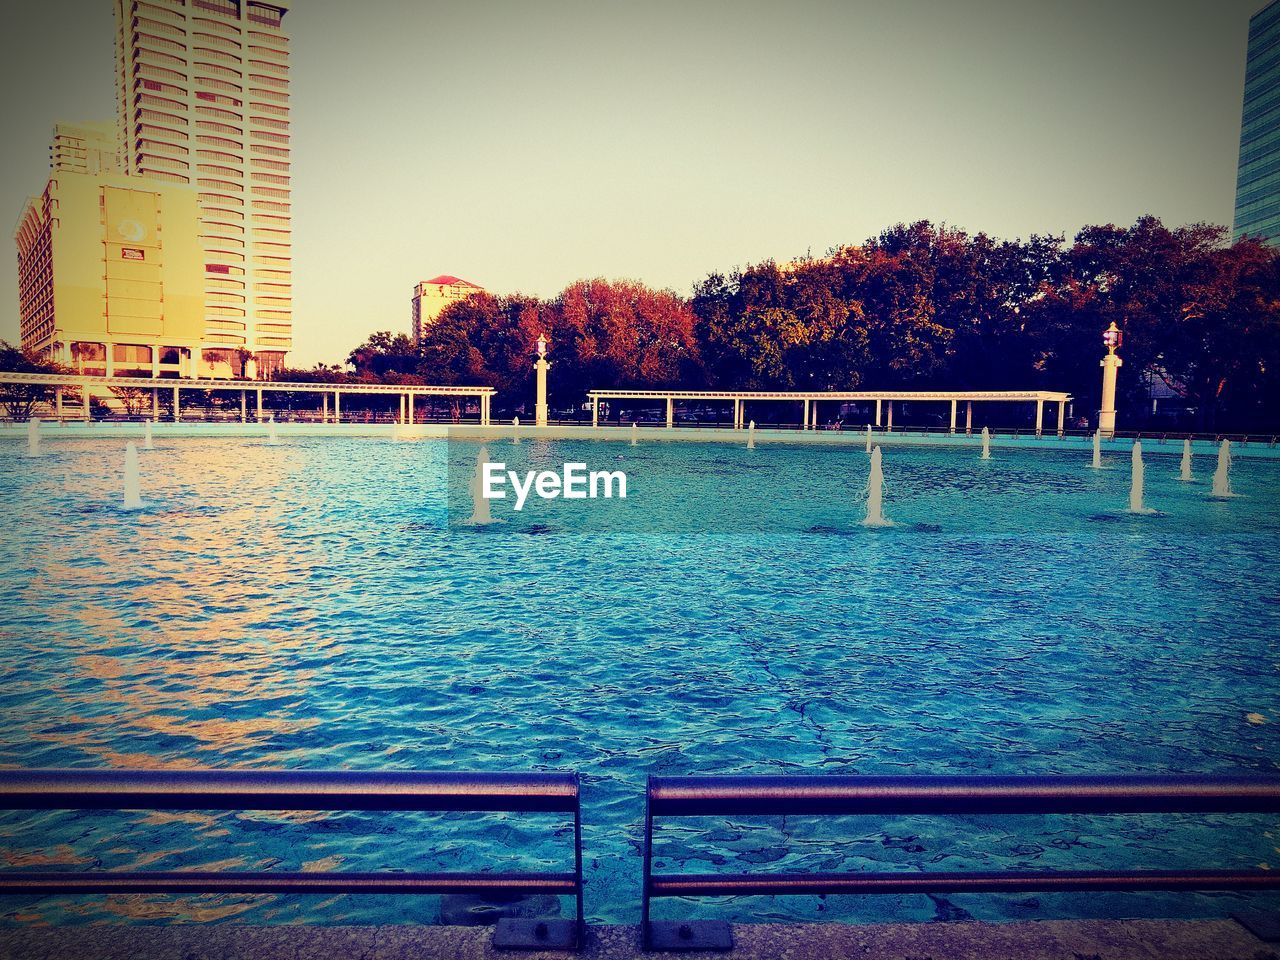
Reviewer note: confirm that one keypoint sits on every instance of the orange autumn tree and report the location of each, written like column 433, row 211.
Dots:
column 620, row 333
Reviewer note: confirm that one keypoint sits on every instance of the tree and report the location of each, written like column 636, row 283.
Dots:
column 620, row 333
column 383, row 353
column 20, row 399
column 134, row 399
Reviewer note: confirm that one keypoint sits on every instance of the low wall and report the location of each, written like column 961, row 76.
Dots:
column 53, row 431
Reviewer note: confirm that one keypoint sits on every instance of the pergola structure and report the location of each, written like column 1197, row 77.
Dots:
column 883, row 400
column 407, row 393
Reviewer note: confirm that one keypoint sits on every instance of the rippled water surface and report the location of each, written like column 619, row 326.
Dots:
column 307, row 606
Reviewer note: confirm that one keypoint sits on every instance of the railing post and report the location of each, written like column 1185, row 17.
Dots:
column 646, row 933
column 669, row 935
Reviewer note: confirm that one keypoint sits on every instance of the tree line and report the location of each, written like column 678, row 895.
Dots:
column 918, row 306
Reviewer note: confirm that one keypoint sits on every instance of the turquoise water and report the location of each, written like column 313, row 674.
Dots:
column 308, row 606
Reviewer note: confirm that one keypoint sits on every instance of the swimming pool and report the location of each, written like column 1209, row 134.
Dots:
column 308, row 605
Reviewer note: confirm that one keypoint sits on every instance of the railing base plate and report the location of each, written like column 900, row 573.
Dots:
column 518, row 933
column 690, row 935
column 1263, row 925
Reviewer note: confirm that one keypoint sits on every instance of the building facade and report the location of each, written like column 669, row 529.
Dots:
column 85, row 148
column 110, row 275
column 203, row 95
column 430, row 297
column 1257, row 212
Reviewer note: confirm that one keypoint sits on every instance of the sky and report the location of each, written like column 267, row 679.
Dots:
column 523, row 146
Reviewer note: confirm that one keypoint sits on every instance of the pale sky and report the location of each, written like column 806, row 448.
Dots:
column 524, row 145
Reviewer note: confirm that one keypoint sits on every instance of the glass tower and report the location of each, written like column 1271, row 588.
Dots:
column 1258, row 181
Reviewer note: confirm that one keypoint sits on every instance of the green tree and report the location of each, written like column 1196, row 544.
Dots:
column 19, row 400
column 383, row 353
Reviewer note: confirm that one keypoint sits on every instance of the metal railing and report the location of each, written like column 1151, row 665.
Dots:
column 949, row 796
column 307, row 790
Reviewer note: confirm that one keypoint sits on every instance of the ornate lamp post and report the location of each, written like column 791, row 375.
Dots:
column 1112, row 337
column 541, row 365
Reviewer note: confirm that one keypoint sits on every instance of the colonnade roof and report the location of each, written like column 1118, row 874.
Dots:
column 941, row 395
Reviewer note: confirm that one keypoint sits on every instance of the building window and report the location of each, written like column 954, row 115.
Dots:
column 131, row 353
column 230, row 8
column 261, row 13
column 89, row 352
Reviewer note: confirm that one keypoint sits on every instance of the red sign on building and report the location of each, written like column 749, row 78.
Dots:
column 132, row 253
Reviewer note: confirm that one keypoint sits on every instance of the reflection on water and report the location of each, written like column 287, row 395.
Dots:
column 307, row 606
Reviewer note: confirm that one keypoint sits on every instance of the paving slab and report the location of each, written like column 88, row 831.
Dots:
column 1029, row 940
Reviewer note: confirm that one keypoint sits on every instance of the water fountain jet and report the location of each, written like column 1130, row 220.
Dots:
column 1137, row 483
column 1185, row 475
column 1222, row 475
column 875, row 493
column 132, row 484
column 147, row 443
column 33, row 437
column 272, row 439
column 635, row 432
column 986, row 444
column 868, row 438
column 515, row 430
column 480, row 515
column 1097, row 450
column 751, row 435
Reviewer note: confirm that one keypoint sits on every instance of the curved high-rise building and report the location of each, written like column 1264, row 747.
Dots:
column 203, row 93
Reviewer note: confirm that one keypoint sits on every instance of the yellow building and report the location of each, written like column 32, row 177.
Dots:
column 203, row 94
column 84, row 147
column 110, row 274
column 430, row 297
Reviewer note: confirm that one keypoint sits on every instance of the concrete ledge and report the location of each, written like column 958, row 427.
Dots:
column 1033, row 940
column 52, row 432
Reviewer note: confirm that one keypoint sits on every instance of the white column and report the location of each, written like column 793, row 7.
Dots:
column 155, row 404
column 177, row 406
column 804, row 422
column 541, row 413
column 595, row 411
column 889, row 423
column 412, row 403
column 1111, row 365
column 815, row 413
column 337, row 406
column 671, row 412
column 244, row 406
column 155, row 362
column 1062, row 417
column 259, row 404
column 111, row 360
column 877, row 411
column 968, row 417
column 737, row 413
column 402, row 418
column 953, row 416
column 57, row 401
column 1039, row 417
column 324, row 415
column 486, row 407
